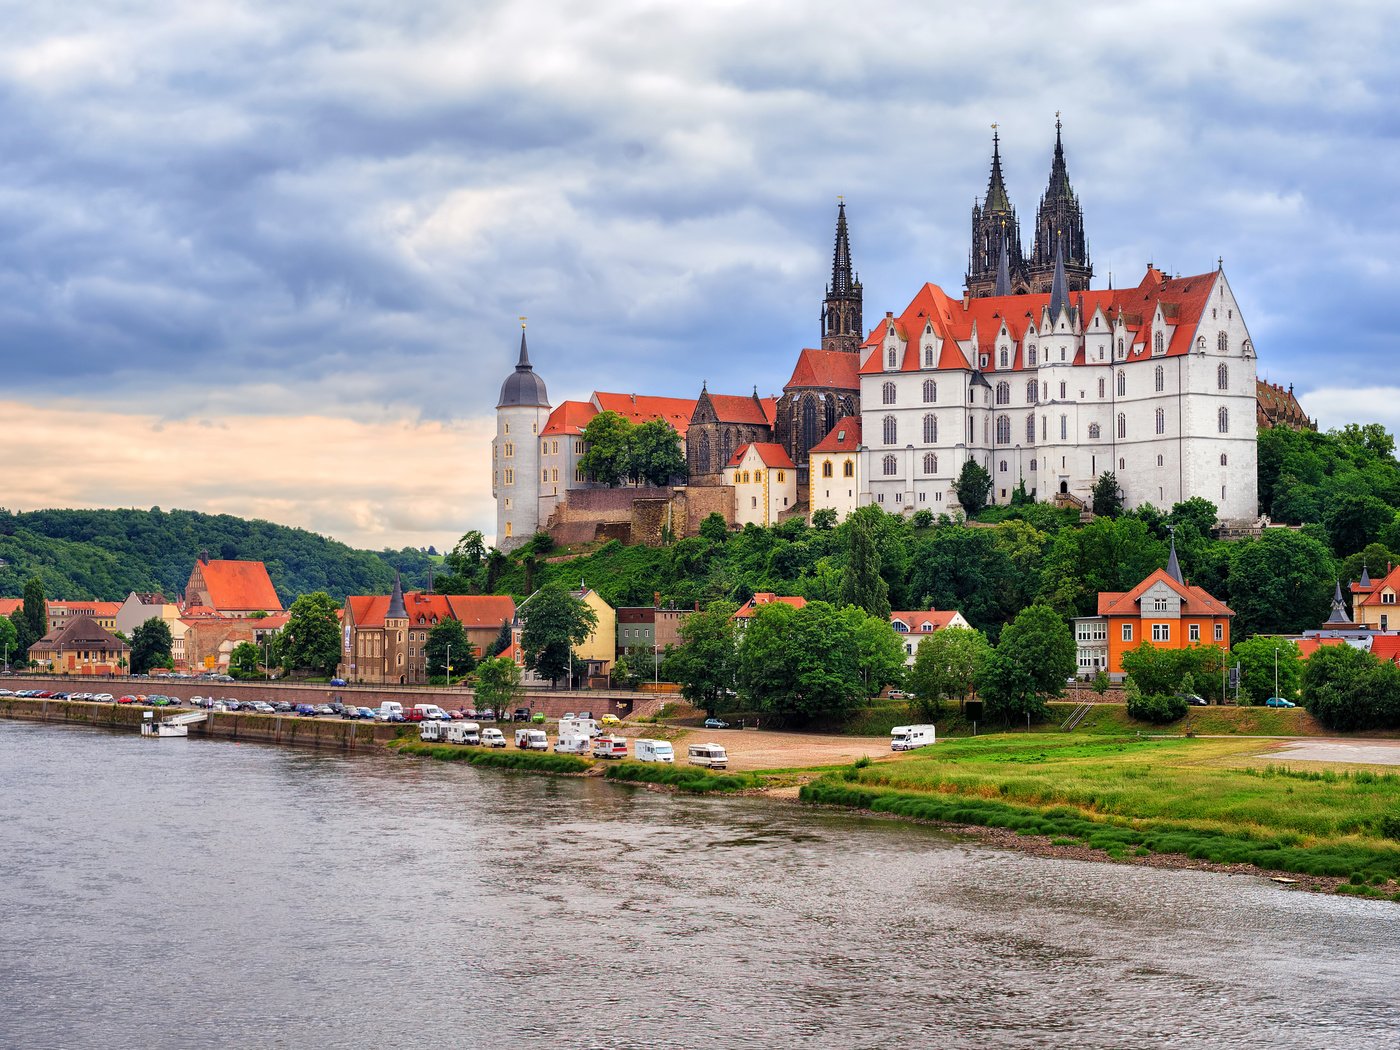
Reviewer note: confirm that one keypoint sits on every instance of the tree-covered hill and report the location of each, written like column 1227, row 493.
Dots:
column 105, row 554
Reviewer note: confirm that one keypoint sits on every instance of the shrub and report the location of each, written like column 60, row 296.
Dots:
column 1154, row 707
column 683, row 778
column 1390, row 826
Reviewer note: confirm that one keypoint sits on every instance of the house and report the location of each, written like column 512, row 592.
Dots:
column 593, row 657
column 138, row 608
column 205, row 640
column 765, row 483
column 744, row 613
column 913, row 627
column 1374, row 603
column 231, row 588
column 81, row 646
column 654, row 627
column 834, row 469
column 1163, row 610
column 103, row 613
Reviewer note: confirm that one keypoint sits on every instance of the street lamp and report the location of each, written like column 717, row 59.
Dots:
column 449, row 664
column 1275, row 670
column 656, row 664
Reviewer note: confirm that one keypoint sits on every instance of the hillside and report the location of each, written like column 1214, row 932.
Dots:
column 105, row 554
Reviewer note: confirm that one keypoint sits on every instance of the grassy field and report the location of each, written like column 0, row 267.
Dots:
column 1209, row 799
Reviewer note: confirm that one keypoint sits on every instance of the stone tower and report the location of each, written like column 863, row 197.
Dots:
column 396, row 636
column 521, row 413
column 1059, row 222
column 996, row 232
column 841, row 320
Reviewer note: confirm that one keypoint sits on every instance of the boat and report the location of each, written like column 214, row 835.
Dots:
column 174, row 725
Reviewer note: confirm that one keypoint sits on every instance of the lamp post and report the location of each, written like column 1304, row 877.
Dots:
column 656, row 664
column 1275, row 670
column 449, row 664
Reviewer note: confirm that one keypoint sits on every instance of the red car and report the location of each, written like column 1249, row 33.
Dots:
column 126, row 700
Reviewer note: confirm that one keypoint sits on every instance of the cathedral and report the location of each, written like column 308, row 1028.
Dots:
column 1045, row 382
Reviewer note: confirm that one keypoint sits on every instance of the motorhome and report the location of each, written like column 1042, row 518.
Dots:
column 492, row 738
column 654, row 751
column 585, row 727
column 572, row 745
column 531, row 740
column 461, row 732
column 432, row 731
column 711, row 756
column 610, row 747
column 906, row 738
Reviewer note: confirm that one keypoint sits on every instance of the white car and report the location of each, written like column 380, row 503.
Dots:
column 492, row 738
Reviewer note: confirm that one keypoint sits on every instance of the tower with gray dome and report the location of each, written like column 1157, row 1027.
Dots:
column 521, row 413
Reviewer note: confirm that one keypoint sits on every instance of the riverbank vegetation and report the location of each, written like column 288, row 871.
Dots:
column 532, row 761
column 684, row 778
column 1206, row 799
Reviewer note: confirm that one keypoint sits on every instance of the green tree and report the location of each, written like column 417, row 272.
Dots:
column 1349, row 689
column 496, row 562
column 497, row 683
column 824, row 518
column 448, row 639
column 9, row 639
column 1196, row 511
column 33, row 619
column 466, row 557
column 151, row 644
column 1158, row 671
column 655, row 455
column 1105, row 500
column 972, row 487
column 311, row 639
column 243, row 661
column 1032, row 661
column 946, row 667
column 713, row 528
column 1157, row 708
column 861, row 583
column 1353, row 521
column 1281, row 583
column 503, row 639
column 801, row 664
column 555, row 622
column 704, row 663
column 1256, row 659
column 1108, row 554
column 879, row 648
column 608, row 460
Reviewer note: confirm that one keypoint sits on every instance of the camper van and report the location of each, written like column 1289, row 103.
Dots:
column 432, row 731
column 492, row 738
column 572, row 745
column 906, row 738
column 711, row 756
column 531, row 740
column 610, row 747
column 460, row 732
column 585, row 727
column 654, row 751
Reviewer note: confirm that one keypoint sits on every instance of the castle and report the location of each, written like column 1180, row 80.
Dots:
column 1043, row 381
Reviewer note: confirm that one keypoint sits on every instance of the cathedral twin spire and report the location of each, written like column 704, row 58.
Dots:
column 841, row 312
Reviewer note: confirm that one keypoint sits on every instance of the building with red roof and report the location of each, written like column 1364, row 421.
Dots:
column 765, row 483
column 720, row 425
column 834, row 470
column 745, row 612
column 81, row 646
column 104, row 614
column 913, row 627
column 231, row 588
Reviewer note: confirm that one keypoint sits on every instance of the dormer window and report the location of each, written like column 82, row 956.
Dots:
column 1030, row 354
column 928, row 355
column 891, row 360
column 983, row 360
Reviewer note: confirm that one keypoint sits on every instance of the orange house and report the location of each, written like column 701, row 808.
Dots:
column 1163, row 610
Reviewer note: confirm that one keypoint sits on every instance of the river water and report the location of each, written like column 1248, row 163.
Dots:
column 173, row 893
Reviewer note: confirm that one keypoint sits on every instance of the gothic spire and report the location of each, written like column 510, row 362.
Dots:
column 841, row 324
column 842, row 279
column 1059, row 300
column 397, row 611
column 1003, row 285
column 1365, row 576
column 1339, row 608
column 997, row 199
column 1059, row 226
column 524, row 361
column 1059, row 187
column 1174, row 566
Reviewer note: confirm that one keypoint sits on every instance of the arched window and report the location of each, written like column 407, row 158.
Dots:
column 1030, row 355
column 1120, row 346
column 1003, row 393
column 888, row 392
column 891, row 359
column 726, row 446
column 1222, row 377
column 1122, row 463
column 809, row 422
column 1003, row 430
column 1062, row 391
column 1100, row 386
column 1223, row 459
column 1224, row 415
column 1122, row 384
column 928, row 355
column 702, row 455
column 1160, row 379
column 930, row 463
column 930, row 429
column 1159, row 461
column 848, row 469
column 1161, row 421
column 891, row 430
column 1201, row 344
column 826, row 468
column 1030, row 429
column 1222, row 343
column 1093, row 431
column 1032, row 392
column 1002, row 466
column 1158, row 343
column 1003, row 357
column 1032, row 466
column 930, row 391
column 889, row 466
column 1064, row 427
column 1122, row 425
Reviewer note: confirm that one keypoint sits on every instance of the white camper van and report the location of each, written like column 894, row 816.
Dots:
column 906, row 738
column 572, row 745
column 461, row 732
column 654, row 751
column 432, row 731
column 584, row 727
column 531, row 740
column 711, row 756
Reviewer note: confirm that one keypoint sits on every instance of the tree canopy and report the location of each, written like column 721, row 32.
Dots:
column 946, row 667
column 448, row 640
column 555, row 622
column 311, row 639
column 704, row 662
column 1030, row 665
column 151, row 645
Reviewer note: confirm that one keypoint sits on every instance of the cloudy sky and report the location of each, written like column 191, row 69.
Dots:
column 268, row 258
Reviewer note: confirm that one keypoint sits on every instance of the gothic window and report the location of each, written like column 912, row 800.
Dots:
column 889, row 466
column 888, row 393
column 848, row 469
column 1161, row 421
column 809, row 422
column 1222, row 343
column 1062, row 391
column 930, row 391
column 1161, row 379
column 1003, row 393
column 1222, row 377
column 826, row 469
column 544, row 475
column 1003, row 357
column 702, row 456
column 1032, row 392
column 1030, row 355
column 1122, row 384
column 1122, row 463
column 1224, row 420
column 1064, row 427
column 1032, row 466
column 1158, row 343
column 1030, row 429
column 1120, row 346
column 1003, row 430
column 1159, row 461
column 578, row 474
column 930, row 429
column 891, row 358
column 928, row 355
column 891, row 431
column 1100, row 386
column 1122, row 425
column 930, row 463
column 509, row 449
column 1201, row 344
column 1223, row 459
column 1093, row 431
column 726, row 447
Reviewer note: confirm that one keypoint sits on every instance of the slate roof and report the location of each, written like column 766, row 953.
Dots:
column 82, row 632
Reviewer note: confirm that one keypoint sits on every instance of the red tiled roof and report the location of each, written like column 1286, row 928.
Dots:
column 273, row 622
column 1372, row 595
column 770, row 409
column 1308, row 646
column 641, row 408
column 915, row 620
column 1385, row 647
column 1194, row 600
column 730, row 408
column 240, row 586
column 199, row 612
column 745, row 611
column 769, row 453
column 475, row 611
column 9, row 605
column 94, row 609
column 569, row 418
column 844, row 436
column 827, row 369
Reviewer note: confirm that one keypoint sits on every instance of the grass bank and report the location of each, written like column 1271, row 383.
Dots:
column 1107, row 719
column 534, row 761
column 684, row 778
column 1206, row 799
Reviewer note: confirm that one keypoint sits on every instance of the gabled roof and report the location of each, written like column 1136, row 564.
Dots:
column 9, row 605
column 569, row 418
column 770, row 454
column 98, row 609
column 82, row 632
column 641, row 408
column 825, row 369
column 474, row 611
column 1308, row 646
column 1194, row 600
column 916, row 621
column 1386, row 647
column 844, row 436
column 1369, row 596
column 240, row 586
column 745, row 611
column 732, row 408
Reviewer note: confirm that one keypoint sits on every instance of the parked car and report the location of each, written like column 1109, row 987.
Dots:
column 492, row 738
column 567, row 714
column 610, row 720
column 325, row 709
column 338, row 681
column 1278, row 701
column 306, row 709
column 487, row 715
column 1193, row 700
column 126, row 699
column 262, row 707
column 716, row 723
column 366, row 713
column 522, row 714
column 282, row 706
column 584, row 714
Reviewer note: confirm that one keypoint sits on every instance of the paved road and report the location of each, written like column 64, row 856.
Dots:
column 1372, row 752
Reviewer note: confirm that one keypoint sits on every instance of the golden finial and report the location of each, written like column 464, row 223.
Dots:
column 522, row 322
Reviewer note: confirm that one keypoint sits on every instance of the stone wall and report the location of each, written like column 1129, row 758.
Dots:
column 638, row 516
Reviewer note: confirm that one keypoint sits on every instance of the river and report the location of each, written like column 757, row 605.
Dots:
column 191, row 893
